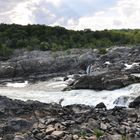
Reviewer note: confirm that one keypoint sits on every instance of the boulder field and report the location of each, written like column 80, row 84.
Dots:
column 33, row 120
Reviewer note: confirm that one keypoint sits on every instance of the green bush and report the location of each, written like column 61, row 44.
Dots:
column 98, row 133
column 102, row 51
column 83, row 135
column 5, row 51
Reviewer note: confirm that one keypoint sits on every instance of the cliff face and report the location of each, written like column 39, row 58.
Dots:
column 39, row 65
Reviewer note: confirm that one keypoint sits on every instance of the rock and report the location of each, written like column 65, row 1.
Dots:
column 35, row 131
column 40, row 135
column 49, row 130
column 8, row 137
column 103, row 126
column 81, row 139
column 106, row 81
column 76, row 76
column 53, row 122
column 59, row 126
column 19, row 137
column 50, row 137
column 68, row 137
column 38, row 65
column 19, row 124
column 75, row 137
column 100, row 105
column 116, row 137
column 105, row 137
column 135, row 103
column 133, row 117
column 58, row 134
column 65, row 78
column 86, row 59
column 41, row 126
column 70, row 82
column 92, row 138
column 93, row 124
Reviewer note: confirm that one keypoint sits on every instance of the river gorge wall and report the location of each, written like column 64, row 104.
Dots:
column 42, row 65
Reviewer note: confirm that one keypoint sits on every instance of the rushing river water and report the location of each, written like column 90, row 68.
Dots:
column 50, row 91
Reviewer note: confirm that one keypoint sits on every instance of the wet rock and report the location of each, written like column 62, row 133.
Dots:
column 135, row 103
column 106, row 81
column 100, row 105
column 76, row 76
column 65, row 78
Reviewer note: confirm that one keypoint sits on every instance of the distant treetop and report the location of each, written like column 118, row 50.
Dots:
column 41, row 37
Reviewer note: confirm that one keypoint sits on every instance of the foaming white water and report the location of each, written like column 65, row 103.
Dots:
column 127, row 66
column 17, row 85
column 41, row 92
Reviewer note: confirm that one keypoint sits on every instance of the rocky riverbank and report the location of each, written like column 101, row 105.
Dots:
column 111, row 70
column 41, row 65
column 33, row 120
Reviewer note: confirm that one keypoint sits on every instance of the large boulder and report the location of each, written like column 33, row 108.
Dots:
column 135, row 103
column 19, row 124
column 105, row 81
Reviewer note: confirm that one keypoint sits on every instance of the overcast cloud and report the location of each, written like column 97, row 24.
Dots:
column 73, row 14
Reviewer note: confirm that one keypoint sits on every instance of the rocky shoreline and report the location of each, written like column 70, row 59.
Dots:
column 33, row 120
column 111, row 70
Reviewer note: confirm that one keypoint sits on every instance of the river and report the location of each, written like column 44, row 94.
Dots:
column 50, row 91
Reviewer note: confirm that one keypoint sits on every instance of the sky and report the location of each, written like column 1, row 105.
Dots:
column 73, row 14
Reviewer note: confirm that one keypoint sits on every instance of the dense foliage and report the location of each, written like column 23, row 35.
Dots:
column 58, row 38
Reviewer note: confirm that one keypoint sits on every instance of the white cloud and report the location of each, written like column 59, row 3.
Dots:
column 54, row 2
column 21, row 14
column 124, row 15
column 73, row 14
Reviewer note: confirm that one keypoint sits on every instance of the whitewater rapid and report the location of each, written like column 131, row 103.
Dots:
column 50, row 91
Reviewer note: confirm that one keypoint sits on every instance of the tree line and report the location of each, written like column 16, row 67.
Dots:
column 42, row 37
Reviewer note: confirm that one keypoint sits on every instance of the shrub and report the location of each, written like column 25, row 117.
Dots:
column 102, row 50
column 83, row 135
column 5, row 51
column 98, row 133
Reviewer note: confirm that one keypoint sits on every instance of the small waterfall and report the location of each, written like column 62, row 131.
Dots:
column 123, row 101
column 89, row 69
